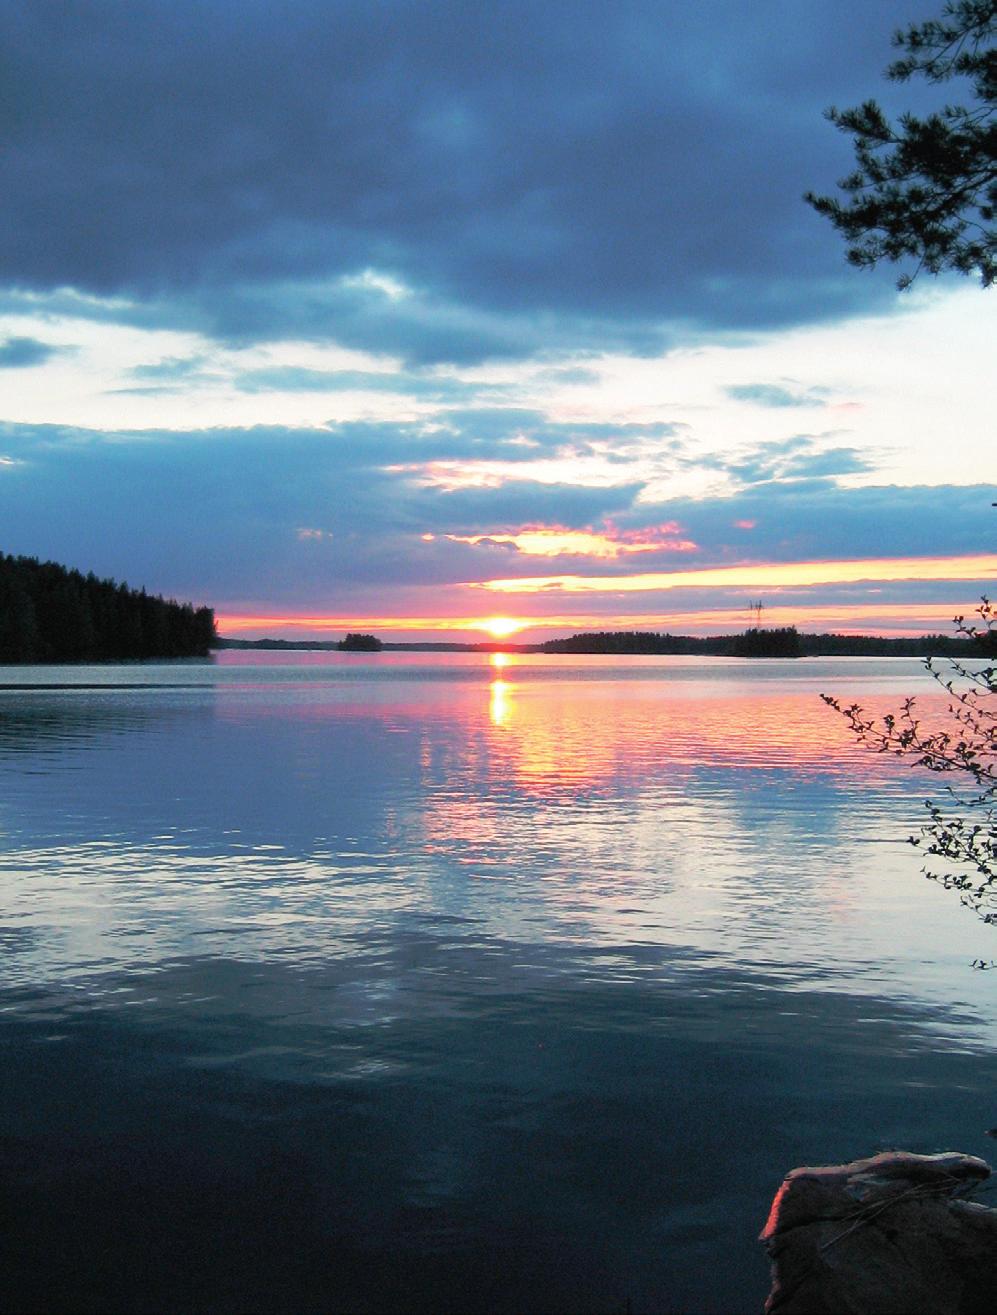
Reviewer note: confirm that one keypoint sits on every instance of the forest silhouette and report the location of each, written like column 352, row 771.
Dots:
column 49, row 613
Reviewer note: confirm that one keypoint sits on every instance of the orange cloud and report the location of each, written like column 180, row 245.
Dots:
column 761, row 575
column 449, row 476
column 592, row 471
column 556, row 541
column 234, row 622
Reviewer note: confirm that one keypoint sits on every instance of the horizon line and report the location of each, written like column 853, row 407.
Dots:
column 813, row 618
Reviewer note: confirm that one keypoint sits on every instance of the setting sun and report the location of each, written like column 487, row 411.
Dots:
column 501, row 627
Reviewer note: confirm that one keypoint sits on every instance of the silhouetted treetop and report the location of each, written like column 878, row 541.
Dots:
column 926, row 188
column 757, row 642
column 783, row 642
column 49, row 613
column 357, row 643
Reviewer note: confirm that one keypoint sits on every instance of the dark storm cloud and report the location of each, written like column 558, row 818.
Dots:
column 17, row 353
column 539, row 175
column 422, row 327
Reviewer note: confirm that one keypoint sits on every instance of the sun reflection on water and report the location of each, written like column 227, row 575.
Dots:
column 499, row 705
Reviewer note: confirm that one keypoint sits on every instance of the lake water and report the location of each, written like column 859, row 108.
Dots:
column 420, row 983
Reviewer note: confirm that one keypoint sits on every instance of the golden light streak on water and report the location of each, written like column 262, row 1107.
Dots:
column 499, row 703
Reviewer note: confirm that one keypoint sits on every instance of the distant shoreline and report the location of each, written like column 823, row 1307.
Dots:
column 650, row 645
column 332, row 646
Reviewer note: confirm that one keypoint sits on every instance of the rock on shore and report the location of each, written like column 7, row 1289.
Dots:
column 889, row 1235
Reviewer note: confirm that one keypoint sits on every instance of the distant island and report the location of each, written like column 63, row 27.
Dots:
column 354, row 643
column 49, row 613
column 758, row 642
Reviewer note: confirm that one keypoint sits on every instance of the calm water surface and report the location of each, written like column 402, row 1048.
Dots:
column 420, row 983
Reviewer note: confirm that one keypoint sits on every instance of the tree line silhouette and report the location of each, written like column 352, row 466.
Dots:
column 759, row 642
column 49, row 613
column 359, row 643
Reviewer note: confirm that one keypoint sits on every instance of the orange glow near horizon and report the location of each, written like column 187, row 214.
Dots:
column 892, row 618
column 501, row 627
column 498, row 626
column 554, row 541
column 759, row 576
column 848, row 618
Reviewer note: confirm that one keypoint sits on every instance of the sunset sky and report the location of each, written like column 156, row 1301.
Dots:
column 402, row 316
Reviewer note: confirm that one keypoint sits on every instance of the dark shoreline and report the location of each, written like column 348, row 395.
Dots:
column 651, row 645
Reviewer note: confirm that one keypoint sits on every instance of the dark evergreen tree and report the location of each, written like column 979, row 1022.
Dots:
column 357, row 643
column 781, row 643
column 51, row 614
column 926, row 188
column 19, row 637
column 785, row 642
